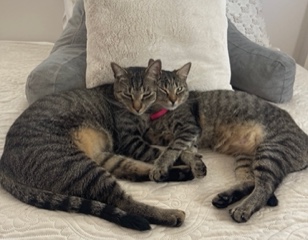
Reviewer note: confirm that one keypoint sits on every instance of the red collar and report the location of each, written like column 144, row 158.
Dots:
column 158, row 114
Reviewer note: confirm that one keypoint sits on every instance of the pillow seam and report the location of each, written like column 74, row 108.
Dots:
column 257, row 54
column 283, row 81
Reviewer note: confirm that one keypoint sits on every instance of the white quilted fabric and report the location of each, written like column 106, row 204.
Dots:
column 20, row 221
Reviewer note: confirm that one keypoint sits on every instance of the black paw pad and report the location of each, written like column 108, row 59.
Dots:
column 221, row 201
column 180, row 174
column 272, row 201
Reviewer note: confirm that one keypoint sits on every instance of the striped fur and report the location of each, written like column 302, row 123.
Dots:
column 180, row 131
column 265, row 141
column 279, row 146
column 59, row 154
column 137, row 97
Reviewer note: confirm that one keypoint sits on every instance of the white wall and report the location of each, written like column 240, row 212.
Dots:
column 41, row 20
column 287, row 26
column 31, row 20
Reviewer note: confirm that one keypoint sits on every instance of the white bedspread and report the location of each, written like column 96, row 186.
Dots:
column 203, row 221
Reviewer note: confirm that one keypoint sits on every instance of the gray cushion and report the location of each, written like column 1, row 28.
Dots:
column 65, row 67
column 267, row 73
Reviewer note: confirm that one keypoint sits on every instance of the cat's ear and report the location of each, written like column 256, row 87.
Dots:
column 118, row 71
column 150, row 62
column 183, row 71
column 153, row 71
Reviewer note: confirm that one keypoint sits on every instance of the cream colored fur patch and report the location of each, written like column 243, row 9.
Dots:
column 91, row 141
column 238, row 138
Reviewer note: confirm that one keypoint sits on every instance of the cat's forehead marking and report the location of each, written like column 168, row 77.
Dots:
column 169, row 79
column 136, row 78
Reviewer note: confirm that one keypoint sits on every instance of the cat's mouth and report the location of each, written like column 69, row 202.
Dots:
column 137, row 111
column 171, row 108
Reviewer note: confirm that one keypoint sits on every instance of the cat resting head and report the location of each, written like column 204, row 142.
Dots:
column 136, row 87
column 172, row 88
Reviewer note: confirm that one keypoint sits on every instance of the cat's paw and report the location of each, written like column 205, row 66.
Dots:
column 158, row 174
column 195, row 161
column 222, row 200
column 175, row 218
column 272, row 201
column 166, row 217
column 240, row 213
column 180, row 173
column 199, row 168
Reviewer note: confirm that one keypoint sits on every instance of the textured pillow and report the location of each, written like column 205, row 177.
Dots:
column 175, row 31
column 266, row 73
column 258, row 70
column 247, row 17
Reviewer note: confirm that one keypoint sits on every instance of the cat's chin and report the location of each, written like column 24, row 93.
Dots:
column 172, row 108
column 137, row 113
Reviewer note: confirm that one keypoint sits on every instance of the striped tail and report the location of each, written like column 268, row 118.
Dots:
column 53, row 201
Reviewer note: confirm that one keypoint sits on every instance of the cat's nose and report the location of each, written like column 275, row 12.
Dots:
column 173, row 102
column 172, row 99
column 137, row 106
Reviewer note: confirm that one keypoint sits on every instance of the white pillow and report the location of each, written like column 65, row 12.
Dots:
column 130, row 32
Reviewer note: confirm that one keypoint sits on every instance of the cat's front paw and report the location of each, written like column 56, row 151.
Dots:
column 222, row 200
column 158, row 174
column 194, row 160
column 199, row 168
column 240, row 214
column 180, row 173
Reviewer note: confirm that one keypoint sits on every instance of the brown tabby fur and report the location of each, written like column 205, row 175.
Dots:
column 59, row 154
column 266, row 142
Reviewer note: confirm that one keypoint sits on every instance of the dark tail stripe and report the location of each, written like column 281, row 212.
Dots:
column 52, row 201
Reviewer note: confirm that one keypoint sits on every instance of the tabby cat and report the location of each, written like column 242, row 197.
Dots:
column 133, row 143
column 59, row 153
column 265, row 141
column 180, row 138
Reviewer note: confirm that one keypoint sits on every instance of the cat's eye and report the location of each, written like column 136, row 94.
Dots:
column 163, row 90
column 147, row 95
column 179, row 90
column 126, row 95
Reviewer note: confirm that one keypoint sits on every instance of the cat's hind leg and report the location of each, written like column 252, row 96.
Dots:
column 269, row 168
column 245, row 176
column 126, row 168
column 89, row 181
column 232, row 195
column 243, row 172
column 96, row 143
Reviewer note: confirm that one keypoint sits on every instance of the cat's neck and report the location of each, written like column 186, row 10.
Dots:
column 158, row 114
column 156, row 111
